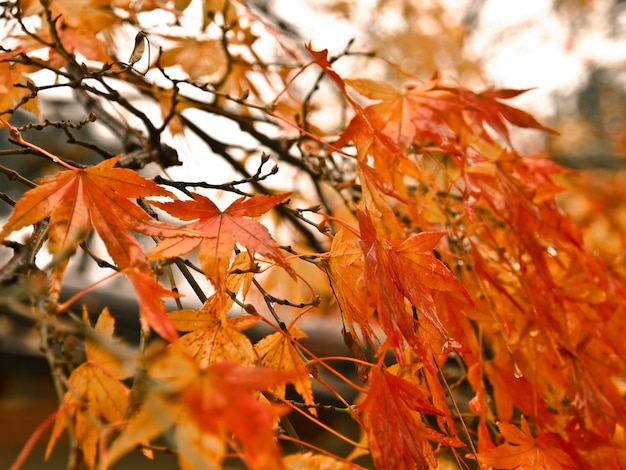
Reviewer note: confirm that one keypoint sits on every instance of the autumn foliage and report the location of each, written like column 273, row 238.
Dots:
column 479, row 330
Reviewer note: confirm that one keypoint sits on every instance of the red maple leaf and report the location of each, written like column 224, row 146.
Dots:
column 397, row 436
column 486, row 108
column 399, row 269
column 151, row 306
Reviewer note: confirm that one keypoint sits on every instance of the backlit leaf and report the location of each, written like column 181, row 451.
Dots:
column 400, row 269
column 524, row 452
column 486, row 108
column 225, row 402
column 277, row 351
column 221, row 230
column 95, row 398
column 391, row 417
column 97, row 197
column 200, row 59
column 151, row 306
column 213, row 339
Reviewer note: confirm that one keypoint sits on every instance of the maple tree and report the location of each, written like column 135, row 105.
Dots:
column 480, row 330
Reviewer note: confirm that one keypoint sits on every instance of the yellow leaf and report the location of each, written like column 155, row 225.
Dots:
column 155, row 416
column 200, row 59
column 99, row 399
column 108, row 354
column 278, row 352
column 217, row 342
column 198, row 449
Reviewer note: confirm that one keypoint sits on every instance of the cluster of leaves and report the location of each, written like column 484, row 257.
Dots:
column 479, row 326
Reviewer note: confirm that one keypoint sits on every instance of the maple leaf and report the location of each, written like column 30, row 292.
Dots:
column 225, row 402
column 485, row 108
column 95, row 395
column 159, row 414
column 120, row 365
column 221, row 231
column 361, row 124
column 399, row 269
column 420, row 114
column 345, row 269
column 397, row 436
column 151, row 306
column 200, row 59
column 97, row 197
column 77, row 26
column 277, row 351
column 523, row 451
column 217, row 341
column 206, row 409
column 238, row 83
column 321, row 59
column 212, row 336
column 170, row 372
column 14, row 84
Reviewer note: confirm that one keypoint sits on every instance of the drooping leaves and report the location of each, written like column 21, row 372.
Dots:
column 398, row 437
column 486, row 108
column 404, row 269
column 462, row 261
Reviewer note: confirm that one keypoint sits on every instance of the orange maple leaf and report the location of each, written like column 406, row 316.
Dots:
column 151, row 306
column 345, row 269
column 420, row 113
column 396, row 434
column 205, row 411
column 221, row 229
column 212, row 336
column 399, row 269
column 486, row 108
column 81, row 199
column 225, row 402
column 522, row 451
column 79, row 22
column 13, row 84
column 200, row 59
column 321, row 59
